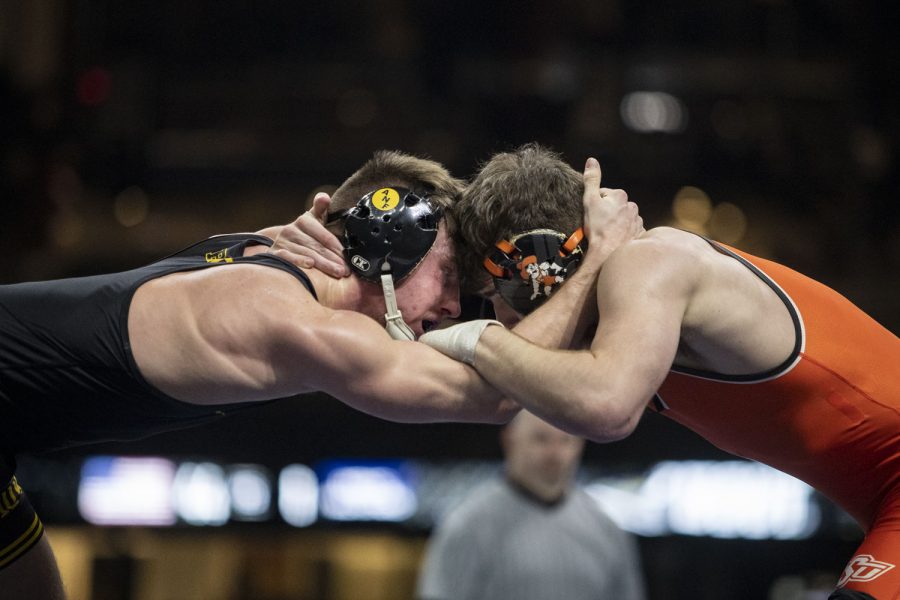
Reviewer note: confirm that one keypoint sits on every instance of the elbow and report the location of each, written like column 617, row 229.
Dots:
column 612, row 432
column 605, row 419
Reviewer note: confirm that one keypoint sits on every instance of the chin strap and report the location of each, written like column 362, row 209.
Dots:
column 393, row 318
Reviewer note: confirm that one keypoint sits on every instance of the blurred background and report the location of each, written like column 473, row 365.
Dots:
column 132, row 129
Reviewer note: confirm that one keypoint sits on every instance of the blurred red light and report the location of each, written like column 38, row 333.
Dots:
column 94, row 86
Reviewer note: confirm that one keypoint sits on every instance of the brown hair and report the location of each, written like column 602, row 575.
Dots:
column 514, row 192
column 393, row 168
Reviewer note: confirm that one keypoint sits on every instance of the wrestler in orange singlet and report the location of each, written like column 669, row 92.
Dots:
column 762, row 361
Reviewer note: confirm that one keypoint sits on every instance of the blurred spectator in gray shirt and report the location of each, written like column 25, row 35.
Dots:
column 532, row 534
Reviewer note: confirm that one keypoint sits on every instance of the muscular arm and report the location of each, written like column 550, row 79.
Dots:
column 600, row 393
column 351, row 357
column 197, row 340
column 562, row 320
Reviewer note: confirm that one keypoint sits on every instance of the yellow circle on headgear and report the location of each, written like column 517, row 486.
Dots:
column 385, row 199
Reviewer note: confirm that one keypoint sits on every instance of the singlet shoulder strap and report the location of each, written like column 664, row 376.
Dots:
column 229, row 248
column 789, row 304
column 229, row 245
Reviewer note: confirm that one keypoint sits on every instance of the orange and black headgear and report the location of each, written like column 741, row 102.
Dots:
column 529, row 266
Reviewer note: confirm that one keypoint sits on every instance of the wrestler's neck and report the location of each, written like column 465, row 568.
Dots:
column 339, row 294
column 345, row 293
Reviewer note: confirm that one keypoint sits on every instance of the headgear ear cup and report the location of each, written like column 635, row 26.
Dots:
column 529, row 267
column 393, row 225
column 386, row 235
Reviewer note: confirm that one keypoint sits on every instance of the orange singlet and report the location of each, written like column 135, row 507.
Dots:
column 829, row 415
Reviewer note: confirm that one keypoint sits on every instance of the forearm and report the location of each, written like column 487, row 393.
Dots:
column 571, row 389
column 351, row 358
column 446, row 390
column 416, row 384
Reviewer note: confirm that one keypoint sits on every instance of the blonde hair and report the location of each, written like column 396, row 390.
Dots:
column 394, row 168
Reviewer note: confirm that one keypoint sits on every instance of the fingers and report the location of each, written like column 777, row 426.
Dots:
column 299, row 257
column 308, row 230
column 312, row 256
column 320, row 206
column 617, row 196
column 637, row 222
column 592, row 175
column 307, row 243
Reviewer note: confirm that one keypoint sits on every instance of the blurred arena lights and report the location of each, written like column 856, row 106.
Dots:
column 692, row 209
column 371, row 491
column 653, row 112
column 117, row 490
column 201, row 494
column 728, row 223
column 298, row 495
column 131, row 206
column 250, row 489
column 94, row 86
column 721, row 499
column 728, row 499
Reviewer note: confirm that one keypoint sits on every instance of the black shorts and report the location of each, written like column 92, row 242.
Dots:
column 20, row 527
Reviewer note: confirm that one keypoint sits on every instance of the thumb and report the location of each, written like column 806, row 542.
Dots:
column 592, row 174
column 320, row 206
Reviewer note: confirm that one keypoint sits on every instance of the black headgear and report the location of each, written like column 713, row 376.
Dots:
column 390, row 225
column 527, row 268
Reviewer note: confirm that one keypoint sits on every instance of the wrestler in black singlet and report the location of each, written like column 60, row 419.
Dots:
column 67, row 374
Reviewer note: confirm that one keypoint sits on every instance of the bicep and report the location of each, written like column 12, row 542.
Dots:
column 641, row 304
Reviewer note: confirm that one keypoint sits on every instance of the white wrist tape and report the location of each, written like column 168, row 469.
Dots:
column 459, row 341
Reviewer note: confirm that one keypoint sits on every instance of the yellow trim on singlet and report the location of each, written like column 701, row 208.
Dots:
column 23, row 543
column 10, row 497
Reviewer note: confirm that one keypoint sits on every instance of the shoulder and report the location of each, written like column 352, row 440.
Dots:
column 663, row 243
column 246, row 279
column 243, row 294
column 662, row 256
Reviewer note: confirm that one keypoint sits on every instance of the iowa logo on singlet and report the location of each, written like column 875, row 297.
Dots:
column 218, row 256
column 863, row 567
column 10, row 497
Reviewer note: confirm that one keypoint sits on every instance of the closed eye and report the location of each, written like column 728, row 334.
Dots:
column 451, row 277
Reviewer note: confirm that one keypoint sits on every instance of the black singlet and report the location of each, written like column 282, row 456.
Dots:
column 67, row 374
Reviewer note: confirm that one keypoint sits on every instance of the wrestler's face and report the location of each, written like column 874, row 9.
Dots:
column 538, row 455
column 431, row 293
